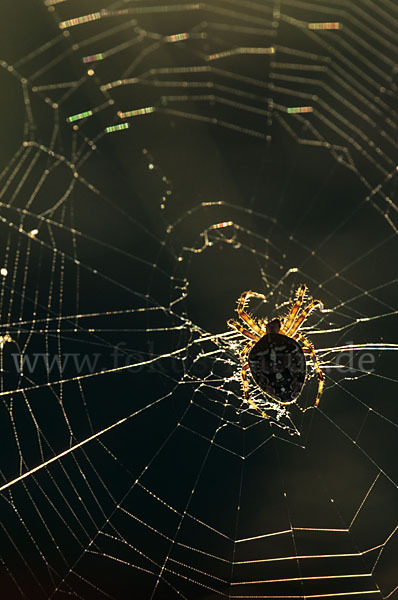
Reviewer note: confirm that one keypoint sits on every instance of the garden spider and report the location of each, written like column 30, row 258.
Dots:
column 274, row 355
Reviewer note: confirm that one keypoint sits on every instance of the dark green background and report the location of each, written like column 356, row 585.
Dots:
column 294, row 205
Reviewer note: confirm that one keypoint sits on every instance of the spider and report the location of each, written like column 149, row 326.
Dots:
column 274, row 356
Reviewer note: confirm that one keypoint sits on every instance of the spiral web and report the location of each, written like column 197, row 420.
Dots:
column 160, row 160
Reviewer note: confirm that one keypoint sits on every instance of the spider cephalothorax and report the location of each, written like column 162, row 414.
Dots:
column 275, row 355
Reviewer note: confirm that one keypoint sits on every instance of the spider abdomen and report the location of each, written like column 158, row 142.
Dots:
column 277, row 364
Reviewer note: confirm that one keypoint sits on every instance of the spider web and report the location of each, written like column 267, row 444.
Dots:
column 160, row 160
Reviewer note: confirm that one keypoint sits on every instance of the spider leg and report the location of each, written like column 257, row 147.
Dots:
column 309, row 349
column 289, row 320
column 245, row 366
column 245, row 386
column 243, row 300
column 235, row 325
column 303, row 315
column 246, row 349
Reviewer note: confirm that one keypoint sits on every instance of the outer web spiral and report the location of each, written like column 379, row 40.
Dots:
column 158, row 160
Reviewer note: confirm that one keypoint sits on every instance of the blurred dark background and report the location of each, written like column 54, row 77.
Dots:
column 182, row 492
